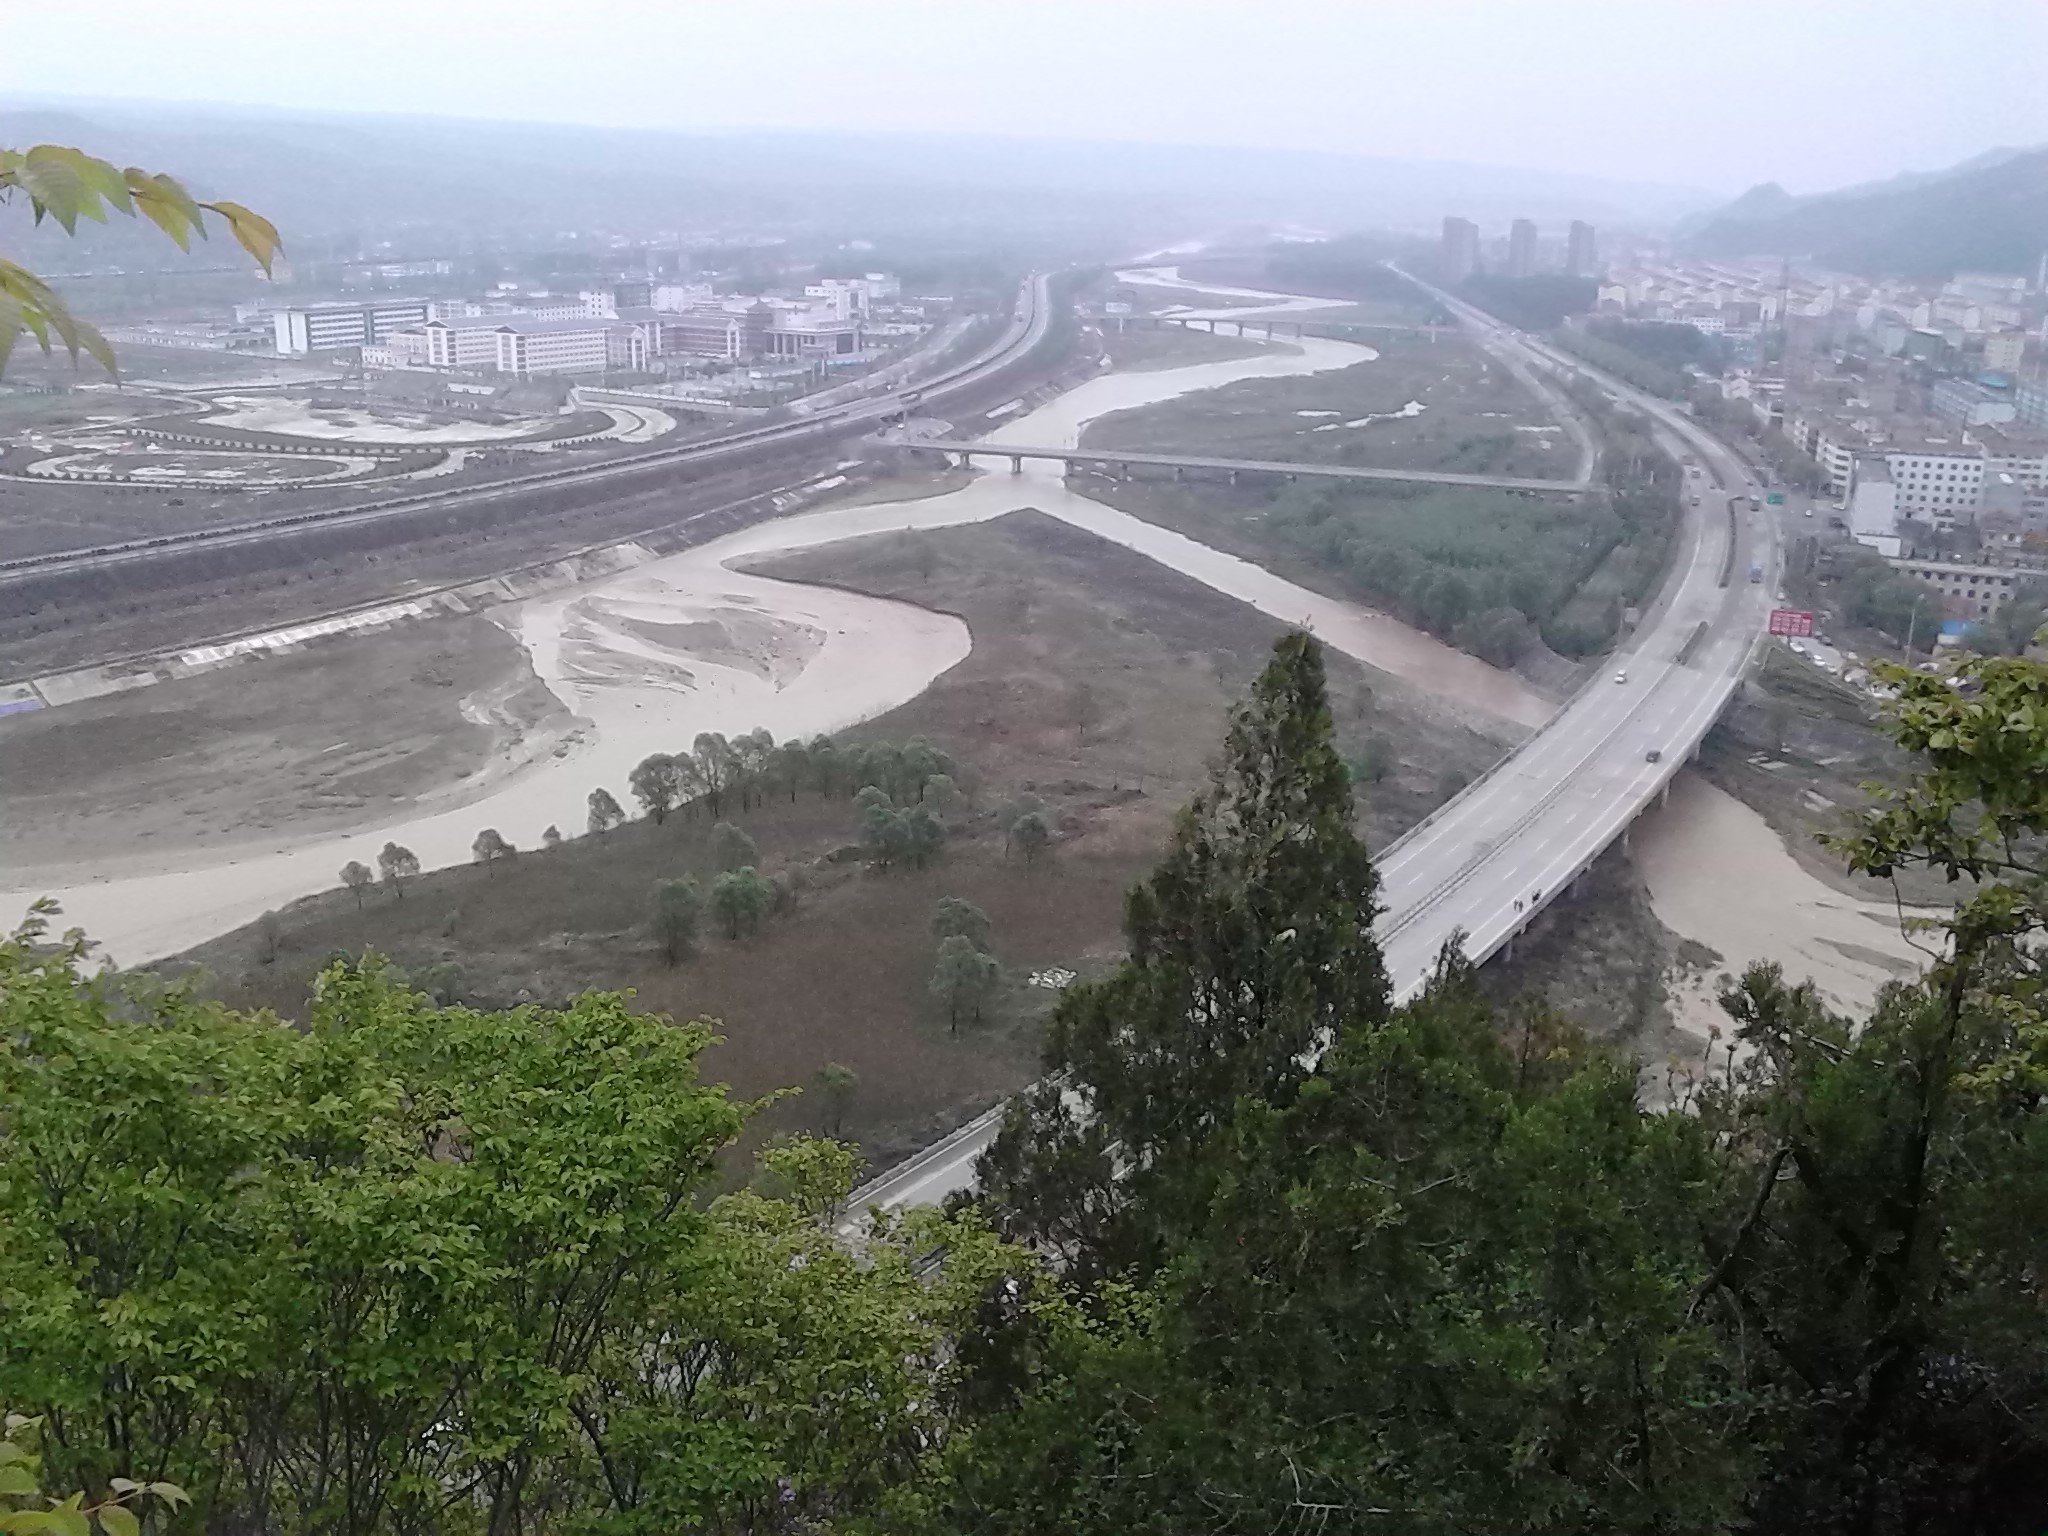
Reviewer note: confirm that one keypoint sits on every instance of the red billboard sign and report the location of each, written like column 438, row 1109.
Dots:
column 1791, row 621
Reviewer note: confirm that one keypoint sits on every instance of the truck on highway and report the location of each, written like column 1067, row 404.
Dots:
column 1756, row 570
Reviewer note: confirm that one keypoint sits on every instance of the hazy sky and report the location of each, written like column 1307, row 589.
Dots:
column 1710, row 93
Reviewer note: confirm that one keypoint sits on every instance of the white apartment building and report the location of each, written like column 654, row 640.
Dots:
column 467, row 343
column 1873, row 500
column 2004, row 351
column 309, row 328
column 528, row 347
column 1937, row 482
column 1832, row 444
column 2015, row 451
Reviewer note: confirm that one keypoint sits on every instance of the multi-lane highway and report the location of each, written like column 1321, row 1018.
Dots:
column 1028, row 326
column 1488, row 861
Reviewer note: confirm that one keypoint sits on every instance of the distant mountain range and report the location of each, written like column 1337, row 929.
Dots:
column 430, row 182
column 1988, row 214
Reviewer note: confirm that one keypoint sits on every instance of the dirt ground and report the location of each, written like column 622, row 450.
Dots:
column 1476, row 417
column 1798, row 748
column 843, row 977
column 314, row 740
column 1601, row 958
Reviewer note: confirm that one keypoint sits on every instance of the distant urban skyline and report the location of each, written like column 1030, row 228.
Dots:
column 1647, row 93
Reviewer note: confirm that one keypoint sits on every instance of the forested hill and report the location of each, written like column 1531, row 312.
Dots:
column 1987, row 215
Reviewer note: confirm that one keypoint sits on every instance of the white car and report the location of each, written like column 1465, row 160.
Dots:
column 1798, row 649
column 1621, row 677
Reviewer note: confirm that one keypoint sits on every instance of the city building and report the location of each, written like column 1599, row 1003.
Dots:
column 2020, row 453
column 1521, row 248
column 808, row 334
column 1830, row 443
column 305, row 329
column 528, row 347
column 715, row 331
column 1938, row 482
column 677, row 297
column 1873, row 499
column 2030, row 402
column 468, row 342
column 1967, row 591
column 1581, row 253
column 2004, row 351
column 1972, row 402
column 1460, row 249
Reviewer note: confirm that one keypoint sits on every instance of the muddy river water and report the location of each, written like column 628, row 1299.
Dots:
column 653, row 655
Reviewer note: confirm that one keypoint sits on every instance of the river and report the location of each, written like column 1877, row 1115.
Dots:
column 652, row 656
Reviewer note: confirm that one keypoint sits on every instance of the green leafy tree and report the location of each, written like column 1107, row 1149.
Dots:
column 718, row 769
column 1031, row 835
column 884, row 830
column 1251, row 946
column 605, row 812
column 740, row 899
column 63, row 185
column 836, row 1085
column 409, row 1266
column 26, row 1510
column 1015, row 810
column 941, row 794
column 490, row 848
column 357, row 877
column 656, row 782
column 731, row 847
column 397, row 864
column 677, row 906
column 924, row 835
column 955, row 917
column 1373, row 762
column 963, row 979
column 792, row 767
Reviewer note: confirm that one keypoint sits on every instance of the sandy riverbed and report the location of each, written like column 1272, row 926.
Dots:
column 687, row 644
column 1719, row 875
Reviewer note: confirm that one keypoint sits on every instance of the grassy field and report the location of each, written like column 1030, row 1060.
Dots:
column 1146, row 350
column 1475, row 417
column 843, row 977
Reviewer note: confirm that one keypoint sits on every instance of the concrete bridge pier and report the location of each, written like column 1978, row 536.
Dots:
column 967, row 461
column 1233, row 477
column 1269, row 330
column 1016, row 463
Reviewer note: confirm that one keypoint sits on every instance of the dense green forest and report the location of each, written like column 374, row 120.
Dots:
column 1490, row 570
column 1268, row 1251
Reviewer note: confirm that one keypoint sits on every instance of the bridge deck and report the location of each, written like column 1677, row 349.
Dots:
column 1121, row 456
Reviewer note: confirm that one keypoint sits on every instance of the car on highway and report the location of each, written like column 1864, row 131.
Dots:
column 1798, row 649
column 1654, row 755
column 1621, row 677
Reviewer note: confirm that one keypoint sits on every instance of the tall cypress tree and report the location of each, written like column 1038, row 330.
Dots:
column 1250, row 947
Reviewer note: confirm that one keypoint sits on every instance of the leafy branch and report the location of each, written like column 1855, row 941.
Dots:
column 66, row 184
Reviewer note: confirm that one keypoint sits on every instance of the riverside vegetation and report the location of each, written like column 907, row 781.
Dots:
column 1279, row 1253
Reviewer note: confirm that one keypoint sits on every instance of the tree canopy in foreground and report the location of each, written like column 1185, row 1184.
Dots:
column 1289, row 1257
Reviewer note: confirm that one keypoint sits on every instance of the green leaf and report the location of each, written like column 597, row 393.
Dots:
column 118, row 1520
column 17, row 1481
column 257, row 235
column 67, row 1520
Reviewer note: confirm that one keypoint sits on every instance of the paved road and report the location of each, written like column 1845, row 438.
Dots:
column 1525, row 831
column 1028, row 326
column 1084, row 456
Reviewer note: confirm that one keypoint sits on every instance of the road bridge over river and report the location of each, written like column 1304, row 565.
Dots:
column 1487, row 862
column 1123, row 460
